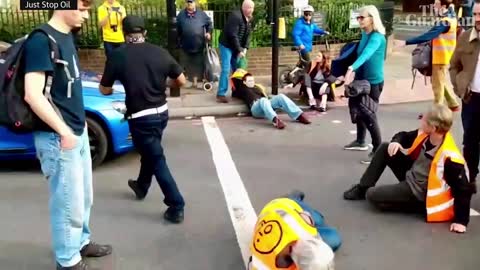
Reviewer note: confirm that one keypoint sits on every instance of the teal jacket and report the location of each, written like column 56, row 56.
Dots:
column 371, row 57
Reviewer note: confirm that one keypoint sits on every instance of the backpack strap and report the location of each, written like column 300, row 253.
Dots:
column 56, row 59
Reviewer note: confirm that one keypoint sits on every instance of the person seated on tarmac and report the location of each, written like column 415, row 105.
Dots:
column 430, row 169
column 289, row 234
column 255, row 97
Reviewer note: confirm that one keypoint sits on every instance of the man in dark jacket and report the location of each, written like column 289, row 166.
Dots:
column 194, row 27
column 430, row 169
column 234, row 42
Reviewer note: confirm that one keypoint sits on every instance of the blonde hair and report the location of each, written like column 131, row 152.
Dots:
column 312, row 254
column 440, row 117
column 377, row 21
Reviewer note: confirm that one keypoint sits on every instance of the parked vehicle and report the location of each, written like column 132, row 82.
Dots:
column 108, row 131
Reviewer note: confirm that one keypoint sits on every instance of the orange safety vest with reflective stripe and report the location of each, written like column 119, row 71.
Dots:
column 439, row 200
column 279, row 225
column 444, row 45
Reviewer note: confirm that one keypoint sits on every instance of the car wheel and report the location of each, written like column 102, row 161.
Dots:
column 98, row 142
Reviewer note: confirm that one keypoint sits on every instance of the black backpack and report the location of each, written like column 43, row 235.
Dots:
column 15, row 113
column 422, row 61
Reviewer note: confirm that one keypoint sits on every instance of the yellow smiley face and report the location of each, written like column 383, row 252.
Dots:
column 268, row 236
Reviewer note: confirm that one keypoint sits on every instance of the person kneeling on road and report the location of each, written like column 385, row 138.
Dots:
column 431, row 171
column 260, row 105
column 289, row 234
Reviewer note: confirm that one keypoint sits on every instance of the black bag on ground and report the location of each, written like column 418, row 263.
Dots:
column 15, row 113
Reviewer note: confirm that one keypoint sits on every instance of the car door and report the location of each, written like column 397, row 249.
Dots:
column 15, row 143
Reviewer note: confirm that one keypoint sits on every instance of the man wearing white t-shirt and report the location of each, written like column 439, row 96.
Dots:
column 465, row 76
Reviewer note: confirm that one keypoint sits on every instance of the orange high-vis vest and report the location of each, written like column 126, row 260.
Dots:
column 279, row 225
column 439, row 200
column 444, row 45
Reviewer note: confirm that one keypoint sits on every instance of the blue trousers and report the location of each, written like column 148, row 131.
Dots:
column 329, row 234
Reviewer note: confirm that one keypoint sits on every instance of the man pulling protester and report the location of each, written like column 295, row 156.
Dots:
column 145, row 80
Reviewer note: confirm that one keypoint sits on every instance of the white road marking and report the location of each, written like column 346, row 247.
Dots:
column 336, row 121
column 353, row 132
column 473, row 213
column 241, row 211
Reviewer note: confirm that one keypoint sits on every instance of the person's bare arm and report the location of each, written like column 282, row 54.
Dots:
column 177, row 82
column 105, row 90
column 34, row 82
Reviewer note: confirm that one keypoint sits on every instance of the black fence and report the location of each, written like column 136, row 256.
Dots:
column 15, row 23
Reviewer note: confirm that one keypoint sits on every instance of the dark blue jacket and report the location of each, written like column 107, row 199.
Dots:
column 191, row 30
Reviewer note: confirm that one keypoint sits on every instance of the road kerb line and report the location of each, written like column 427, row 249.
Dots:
column 240, row 208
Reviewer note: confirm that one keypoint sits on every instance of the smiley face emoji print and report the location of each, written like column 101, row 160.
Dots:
column 268, row 235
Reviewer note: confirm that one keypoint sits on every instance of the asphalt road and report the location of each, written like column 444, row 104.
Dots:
column 270, row 163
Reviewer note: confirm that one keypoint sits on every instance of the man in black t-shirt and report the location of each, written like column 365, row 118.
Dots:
column 143, row 69
column 62, row 146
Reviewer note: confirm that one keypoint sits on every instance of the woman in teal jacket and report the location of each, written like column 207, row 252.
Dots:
column 369, row 66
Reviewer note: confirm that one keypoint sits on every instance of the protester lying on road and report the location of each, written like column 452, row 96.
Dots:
column 254, row 96
column 289, row 234
column 431, row 171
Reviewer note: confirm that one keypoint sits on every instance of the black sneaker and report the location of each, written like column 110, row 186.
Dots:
column 139, row 193
column 356, row 192
column 369, row 158
column 95, row 250
column 174, row 215
column 79, row 266
column 356, row 146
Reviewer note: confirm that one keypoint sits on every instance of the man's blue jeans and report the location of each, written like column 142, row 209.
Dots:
column 229, row 64
column 329, row 234
column 69, row 173
column 265, row 108
column 147, row 133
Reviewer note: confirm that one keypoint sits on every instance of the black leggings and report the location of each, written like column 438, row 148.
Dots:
column 370, row 123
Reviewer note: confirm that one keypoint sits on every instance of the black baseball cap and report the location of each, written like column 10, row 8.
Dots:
column 133, row 24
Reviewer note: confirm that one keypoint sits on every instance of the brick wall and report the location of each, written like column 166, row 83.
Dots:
column 259, row 59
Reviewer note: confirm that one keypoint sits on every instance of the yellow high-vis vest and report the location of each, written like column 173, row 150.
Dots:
column 279, row 225
column 444, row 45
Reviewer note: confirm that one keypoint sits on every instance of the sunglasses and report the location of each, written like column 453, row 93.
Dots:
column 362, row 17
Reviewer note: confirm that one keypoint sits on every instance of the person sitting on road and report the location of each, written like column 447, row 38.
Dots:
column 431, row 171
column 254, row 96
column 321, row 80
column 289, row 234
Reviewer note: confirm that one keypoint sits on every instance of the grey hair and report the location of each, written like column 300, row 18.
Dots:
column 312, row 254
column 377, row 21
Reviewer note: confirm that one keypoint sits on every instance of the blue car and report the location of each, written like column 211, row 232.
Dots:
column 108, row 132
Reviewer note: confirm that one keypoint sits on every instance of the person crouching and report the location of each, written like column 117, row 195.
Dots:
column 260, row 105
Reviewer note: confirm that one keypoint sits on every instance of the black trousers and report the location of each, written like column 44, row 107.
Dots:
column 370, row 123
column 147, row 133
column 394, row 197
column 471, row 134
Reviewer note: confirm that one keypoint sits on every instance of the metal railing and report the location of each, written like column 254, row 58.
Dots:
column 15, row 23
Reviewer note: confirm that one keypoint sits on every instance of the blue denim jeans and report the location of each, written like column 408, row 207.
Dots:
column 69, row 173
column 229, row 64
column 265, row 108
column 329, row 234
column 110, row 46
column 147, row 133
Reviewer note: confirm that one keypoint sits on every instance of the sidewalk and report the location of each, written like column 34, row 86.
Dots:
column 397, row 89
